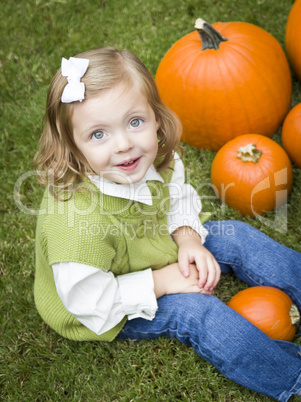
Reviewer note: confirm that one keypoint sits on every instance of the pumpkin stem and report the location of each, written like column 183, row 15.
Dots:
column 294, row 315
column 209, row 36
column 249, row 153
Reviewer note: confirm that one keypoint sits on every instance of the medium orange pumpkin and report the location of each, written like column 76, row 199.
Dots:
column 225, row 81
column 291, row 135
column 252, row 174
column 292, row 38
column 270, row 309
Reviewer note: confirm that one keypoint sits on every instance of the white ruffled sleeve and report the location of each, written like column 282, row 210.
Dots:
column 99, row 300
column 185, row 204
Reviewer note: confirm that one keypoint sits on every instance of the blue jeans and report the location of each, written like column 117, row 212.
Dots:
column 217, row 333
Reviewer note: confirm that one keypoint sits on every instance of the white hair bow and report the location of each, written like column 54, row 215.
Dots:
column 74, row 69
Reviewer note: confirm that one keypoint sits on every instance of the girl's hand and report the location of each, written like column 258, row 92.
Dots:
column 191, row 251
column 169, row 280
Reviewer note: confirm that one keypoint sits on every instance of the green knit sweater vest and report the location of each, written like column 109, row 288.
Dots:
column 110, row 233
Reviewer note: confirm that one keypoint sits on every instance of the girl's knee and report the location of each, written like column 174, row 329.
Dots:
column 200, row 314
column 184, row 303
column 196, row 306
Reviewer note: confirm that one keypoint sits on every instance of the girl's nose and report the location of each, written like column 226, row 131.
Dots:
column 123, row 142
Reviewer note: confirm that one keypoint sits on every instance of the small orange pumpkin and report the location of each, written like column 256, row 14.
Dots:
column 292, row 38
column 291, row 135
column 252, row 174
column 269, row 309
column 225, row 80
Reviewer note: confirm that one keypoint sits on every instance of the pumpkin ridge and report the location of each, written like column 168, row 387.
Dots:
column 230, row 106
column 252, row 91
column 269, row 84
column 266, row 48
column 205, row 107
column 264, row 45
column 243, row 88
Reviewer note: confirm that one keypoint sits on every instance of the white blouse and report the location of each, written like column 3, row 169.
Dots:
column 98, row 299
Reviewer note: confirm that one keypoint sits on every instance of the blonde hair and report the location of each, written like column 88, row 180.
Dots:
column 57, row 152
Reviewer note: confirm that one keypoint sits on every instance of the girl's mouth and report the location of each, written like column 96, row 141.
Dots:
column 130, row 165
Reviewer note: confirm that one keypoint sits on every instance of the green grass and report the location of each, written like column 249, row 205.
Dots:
column 36, row 363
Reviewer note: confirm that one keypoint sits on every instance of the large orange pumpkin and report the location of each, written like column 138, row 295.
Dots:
column 252, row 174
column 291, row 135
column 270, row 309
column 225, row 81
column 292, row 38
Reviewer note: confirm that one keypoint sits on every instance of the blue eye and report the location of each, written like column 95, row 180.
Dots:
column 98, row 135
column 135, row 123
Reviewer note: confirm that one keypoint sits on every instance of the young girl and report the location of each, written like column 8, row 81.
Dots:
column 120, row 249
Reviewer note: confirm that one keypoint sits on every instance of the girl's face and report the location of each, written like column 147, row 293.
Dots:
column 117, row 133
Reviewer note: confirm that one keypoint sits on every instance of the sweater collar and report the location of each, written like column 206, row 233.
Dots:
column 136, row 191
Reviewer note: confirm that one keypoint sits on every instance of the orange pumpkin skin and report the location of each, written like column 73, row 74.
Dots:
column 242, row 87
column 268, row 309
column 252, row 188
column 291, row 135
column 292, row 38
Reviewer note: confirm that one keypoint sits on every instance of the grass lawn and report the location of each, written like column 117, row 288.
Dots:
column 36, row 363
